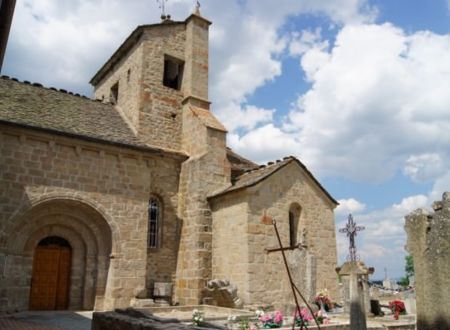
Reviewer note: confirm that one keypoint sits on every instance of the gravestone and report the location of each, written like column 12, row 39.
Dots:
column 429, row 243
column 355, row 277
column 162, row 293
column 303, row 270
column 357, row 300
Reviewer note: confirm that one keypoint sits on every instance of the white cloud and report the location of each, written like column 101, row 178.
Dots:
column 411, row 203
column 424, row 167
column 247, row 117
column 264, row 143
column 441, row 185
column 347, row 206
column 63, row 43
column 306, row 40
column 381, row 243
column 378, row 98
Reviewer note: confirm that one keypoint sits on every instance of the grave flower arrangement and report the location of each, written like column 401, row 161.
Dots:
column 321, row 317
column 397, row 307
column 269, row 320
column 197, row 317
column 302, row 317
column 323, row 300
column 305, row 317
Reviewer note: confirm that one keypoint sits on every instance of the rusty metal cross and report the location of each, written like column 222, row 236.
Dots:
column 351, row 230
column 162, row 6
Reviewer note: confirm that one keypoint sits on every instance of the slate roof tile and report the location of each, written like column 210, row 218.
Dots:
column 42, row 108
column 254, row 176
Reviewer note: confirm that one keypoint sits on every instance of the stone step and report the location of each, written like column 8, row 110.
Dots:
column 142, row 303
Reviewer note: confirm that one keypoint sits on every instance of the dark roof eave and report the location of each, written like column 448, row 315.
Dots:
column 158, row 151
column 262, row 178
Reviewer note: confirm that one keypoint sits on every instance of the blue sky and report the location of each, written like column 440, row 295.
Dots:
column 358, row 90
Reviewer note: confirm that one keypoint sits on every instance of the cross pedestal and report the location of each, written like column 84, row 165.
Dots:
column 356, row 298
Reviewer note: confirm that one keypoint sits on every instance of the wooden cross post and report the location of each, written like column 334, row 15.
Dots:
column 267, row 220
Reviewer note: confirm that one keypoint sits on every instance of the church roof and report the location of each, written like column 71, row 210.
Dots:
column 254, row 176
column 239, row 164
column 57, row 111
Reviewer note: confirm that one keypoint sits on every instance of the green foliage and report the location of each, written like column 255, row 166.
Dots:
column 409, row 270
column 404, row 281
column 409, row 267
column 244, row 324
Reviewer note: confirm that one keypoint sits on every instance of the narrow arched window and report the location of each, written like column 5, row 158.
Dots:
column 294, row 218
column 154, row 210
column 292, row 229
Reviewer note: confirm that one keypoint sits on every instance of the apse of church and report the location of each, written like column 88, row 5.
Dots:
column 100, row 199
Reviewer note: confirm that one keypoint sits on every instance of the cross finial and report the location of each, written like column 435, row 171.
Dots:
column 197, row 7
column 351, row 229
column 162, row 6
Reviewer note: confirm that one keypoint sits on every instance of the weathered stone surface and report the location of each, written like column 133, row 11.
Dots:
column 94, row 196
column 357, row 302
column 240, row 238
column 429, row 243
column 132, row 319
column 223, row 293
column 85, row 171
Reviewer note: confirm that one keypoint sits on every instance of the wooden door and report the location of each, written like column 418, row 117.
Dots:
column 51, row 275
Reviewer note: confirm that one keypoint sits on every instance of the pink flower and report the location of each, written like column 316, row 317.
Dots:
column 253, row 326
column 305, row 315
column 278, row 317
column 265, row 318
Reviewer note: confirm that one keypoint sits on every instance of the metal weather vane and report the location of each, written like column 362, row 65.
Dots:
column 351, row 230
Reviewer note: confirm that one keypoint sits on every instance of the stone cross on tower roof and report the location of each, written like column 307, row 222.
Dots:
column 351, row 229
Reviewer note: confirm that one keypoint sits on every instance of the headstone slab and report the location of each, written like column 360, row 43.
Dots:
column 357, row 301
column 162, row 293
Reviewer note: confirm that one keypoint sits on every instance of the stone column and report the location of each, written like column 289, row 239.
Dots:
column 206, row 170
column 355, row 277
column 429, row 243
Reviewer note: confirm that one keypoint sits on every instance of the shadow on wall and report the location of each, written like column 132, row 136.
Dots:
column 440, row 323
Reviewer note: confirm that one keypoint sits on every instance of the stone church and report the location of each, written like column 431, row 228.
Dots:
column 101, row 198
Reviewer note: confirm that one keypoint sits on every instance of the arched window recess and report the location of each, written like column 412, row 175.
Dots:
column 154, row 223
column 294, row 219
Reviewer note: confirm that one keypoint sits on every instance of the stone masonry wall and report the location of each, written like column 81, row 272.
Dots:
column 160, row 106
column 230, row 242
column 429, row 243
column 128, row 74
column 200, row 177
column 112, row 184
column 152, row 109
column 274, row 196
column 267, row 281
column 207, row 170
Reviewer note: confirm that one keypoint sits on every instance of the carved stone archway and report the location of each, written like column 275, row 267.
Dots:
column 87, row 232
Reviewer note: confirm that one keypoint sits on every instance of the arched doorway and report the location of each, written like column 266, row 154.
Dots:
column 89, row 236
column 51, row 274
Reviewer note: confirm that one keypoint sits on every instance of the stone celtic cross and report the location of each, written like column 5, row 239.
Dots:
column 351, row 229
